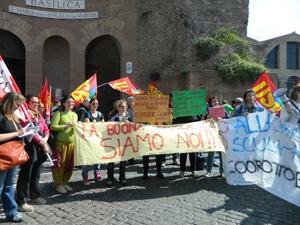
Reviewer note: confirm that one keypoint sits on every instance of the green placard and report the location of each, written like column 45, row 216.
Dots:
column 189, row 103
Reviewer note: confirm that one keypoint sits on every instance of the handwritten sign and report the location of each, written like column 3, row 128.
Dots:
column 189, row 103
column 118, row 141
column 217, row 111
column 151, row 108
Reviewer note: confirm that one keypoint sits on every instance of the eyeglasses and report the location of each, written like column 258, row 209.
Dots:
column 123, row 106
column 34, row 102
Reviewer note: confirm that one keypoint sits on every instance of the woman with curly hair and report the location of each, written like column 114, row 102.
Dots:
column 119, row 113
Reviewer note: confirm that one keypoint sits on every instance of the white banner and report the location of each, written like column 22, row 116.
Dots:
column 263, row 150
column 52, row 15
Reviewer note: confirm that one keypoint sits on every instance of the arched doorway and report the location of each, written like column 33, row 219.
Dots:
column 12, row 51
column 103, row 57
column 56, row 66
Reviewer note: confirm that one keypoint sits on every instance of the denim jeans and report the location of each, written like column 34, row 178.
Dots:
column 210, row 162
column 87, row 168
column 7, row 181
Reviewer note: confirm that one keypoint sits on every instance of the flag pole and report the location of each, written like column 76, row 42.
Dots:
column 101, row 85
column 50, row 101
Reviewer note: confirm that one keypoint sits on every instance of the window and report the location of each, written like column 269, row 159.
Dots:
column 271, row 60
column 292, row 55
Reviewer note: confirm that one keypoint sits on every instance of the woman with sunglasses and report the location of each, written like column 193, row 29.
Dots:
column 30, row 171
column 63, row 152
column 119, row 113
column 214, row 102
column 92, row 116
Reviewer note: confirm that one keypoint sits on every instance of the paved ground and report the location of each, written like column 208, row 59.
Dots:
column 172, row 200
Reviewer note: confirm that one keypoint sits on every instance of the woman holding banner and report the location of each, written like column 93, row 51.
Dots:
column 290, row 112
column 119, row 113
column 92, row 116
column 214, row 102
column 63, row 152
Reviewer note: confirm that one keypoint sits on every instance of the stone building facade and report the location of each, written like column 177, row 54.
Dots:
column 282, row 56
column 68, row 41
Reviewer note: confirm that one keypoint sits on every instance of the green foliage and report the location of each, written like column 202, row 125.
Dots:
column 238, row 65
column 206, row 46
column 232, row 68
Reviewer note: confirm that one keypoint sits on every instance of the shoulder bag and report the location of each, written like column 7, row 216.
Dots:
column 12, row 153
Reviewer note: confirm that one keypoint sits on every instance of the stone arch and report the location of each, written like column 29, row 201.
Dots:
column 287, row 38
column 109, row 26
column 55, row 31
column 18, row 27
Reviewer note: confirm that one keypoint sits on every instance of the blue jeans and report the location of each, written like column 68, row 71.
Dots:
column 210, row 162
column 87, row 168
column 7, row 181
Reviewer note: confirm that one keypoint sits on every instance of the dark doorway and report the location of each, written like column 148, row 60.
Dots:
column 57, row 64
column 12, row 51
column 103, row 57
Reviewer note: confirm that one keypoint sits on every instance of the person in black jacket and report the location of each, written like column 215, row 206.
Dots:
column 82, row 109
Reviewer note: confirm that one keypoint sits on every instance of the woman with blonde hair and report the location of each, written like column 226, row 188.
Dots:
column 10, row 129
column 119, row 113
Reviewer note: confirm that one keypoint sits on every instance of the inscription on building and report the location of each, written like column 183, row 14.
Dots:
column 57, row 4
column 52, row 15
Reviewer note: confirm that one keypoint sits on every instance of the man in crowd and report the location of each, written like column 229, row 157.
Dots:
column 82, row 109
column 249, row 106
column 56, row 105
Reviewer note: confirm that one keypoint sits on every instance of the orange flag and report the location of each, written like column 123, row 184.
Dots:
column 125, row 85
column 264, row 89
column 87, row 90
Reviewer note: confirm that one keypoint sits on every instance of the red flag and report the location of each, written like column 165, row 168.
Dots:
column 298, row 82
column 264, row 89
column 44, row 98
column 8, row 84
column 86, row 90
column 153, row 89
column 125, row 85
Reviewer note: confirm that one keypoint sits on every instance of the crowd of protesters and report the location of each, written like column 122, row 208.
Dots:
column 64, row 117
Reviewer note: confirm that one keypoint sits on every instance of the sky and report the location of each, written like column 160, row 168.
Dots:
column 273, row 18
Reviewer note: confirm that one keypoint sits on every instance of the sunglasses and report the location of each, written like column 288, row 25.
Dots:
column 94, row 103
column 239, row 102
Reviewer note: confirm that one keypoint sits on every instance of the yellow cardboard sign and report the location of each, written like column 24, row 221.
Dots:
column 118, row 141
column 151, row 108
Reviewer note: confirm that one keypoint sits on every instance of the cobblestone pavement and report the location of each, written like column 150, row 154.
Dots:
column 172, row 200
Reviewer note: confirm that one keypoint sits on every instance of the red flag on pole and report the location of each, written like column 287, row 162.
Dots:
column 44, row 98
column 154, row 90
column 125, row 85
column 264, row 89
column 8, row 84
